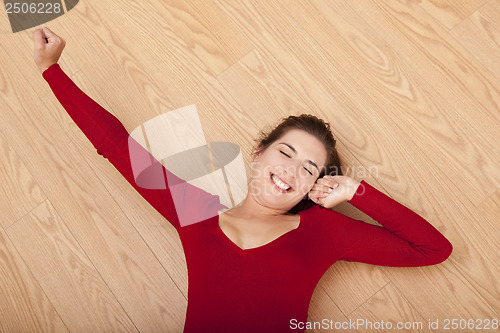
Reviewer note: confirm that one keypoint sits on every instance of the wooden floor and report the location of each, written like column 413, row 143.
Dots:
column 411, row 89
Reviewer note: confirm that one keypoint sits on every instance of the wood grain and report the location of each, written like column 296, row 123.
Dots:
column 491, row 208
column 411, row 89
column 402, row 96
column 206, row 30
column 463, row 82
column 17, row 184
column 323, row 308
column 179, row 77
column 480, row 35
column 24, row 307
column 388, row 310
column 116, row 249
column 65, row 273
column 450, row 13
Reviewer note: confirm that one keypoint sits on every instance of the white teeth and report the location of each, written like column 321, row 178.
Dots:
column 279, row 183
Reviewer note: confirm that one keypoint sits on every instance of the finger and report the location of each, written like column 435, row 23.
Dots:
column 325, row 186
column 316, row 197
column 44, row 37
column 50, row 36
column 317, row 193
column 320, row 188
column 337, row 177
column 38, row 35
column 48, row 32
column 313, row 196
column 315, row 200
column 327, row 179
column 332, row 184
column 322, row 181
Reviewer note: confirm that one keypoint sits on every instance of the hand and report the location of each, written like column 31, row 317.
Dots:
column 48, row 48
column 329, row 191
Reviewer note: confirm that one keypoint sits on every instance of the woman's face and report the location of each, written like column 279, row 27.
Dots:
column 286, row 171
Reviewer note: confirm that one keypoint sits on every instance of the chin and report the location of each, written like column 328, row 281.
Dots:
column 274, row 202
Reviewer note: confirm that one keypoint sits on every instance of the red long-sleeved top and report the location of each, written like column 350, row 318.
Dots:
column 261, row 289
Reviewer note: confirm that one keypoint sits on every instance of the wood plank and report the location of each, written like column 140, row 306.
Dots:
column 101, row 6
column 403, row 97
column 468, row 276
column 68, row 278
column 480, row 35
column 457, row 76
column 491, row 208
column 258, row 86
column 440, row 292
column 21, row 46
column 388, row 310
column 5, row 28
column 23, row 305
column 350, row 284
column 450, row 13
column 127, row 265
column 328, row 89
column 161, row 79
column 206, row 30
column 18, row 185
column 323, row 309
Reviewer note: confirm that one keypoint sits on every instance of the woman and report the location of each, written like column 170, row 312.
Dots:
column 254, row 267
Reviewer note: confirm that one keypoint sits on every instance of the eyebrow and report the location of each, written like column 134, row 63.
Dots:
column 295, row 151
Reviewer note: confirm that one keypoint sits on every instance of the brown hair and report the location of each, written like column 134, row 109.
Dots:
column 314, row 126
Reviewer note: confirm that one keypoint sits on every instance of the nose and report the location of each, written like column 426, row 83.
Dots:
column 290, row 170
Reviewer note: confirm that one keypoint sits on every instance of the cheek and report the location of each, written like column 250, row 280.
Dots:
column 306, row 184
column 257, row 168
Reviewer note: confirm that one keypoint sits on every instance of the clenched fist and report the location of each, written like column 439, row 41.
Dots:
column 329, row 191
column 48, row 48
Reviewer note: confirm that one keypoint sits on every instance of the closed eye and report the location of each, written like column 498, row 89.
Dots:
column 284, row 153
column 289, row 157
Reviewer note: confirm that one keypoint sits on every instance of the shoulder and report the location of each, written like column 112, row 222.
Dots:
column 321, row 219
column 320, row 211
column 199, row 231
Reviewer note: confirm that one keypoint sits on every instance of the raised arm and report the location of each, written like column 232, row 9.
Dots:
column 405, row 238
column 112, row 141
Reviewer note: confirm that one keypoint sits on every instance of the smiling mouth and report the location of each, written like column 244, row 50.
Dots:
column 283, row 187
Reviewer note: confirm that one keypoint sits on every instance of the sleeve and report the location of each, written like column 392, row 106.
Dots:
column 404, row 240
column 185, row 204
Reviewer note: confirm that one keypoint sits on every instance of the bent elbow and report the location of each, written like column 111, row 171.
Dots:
column 443, row 253
column 448, row 250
